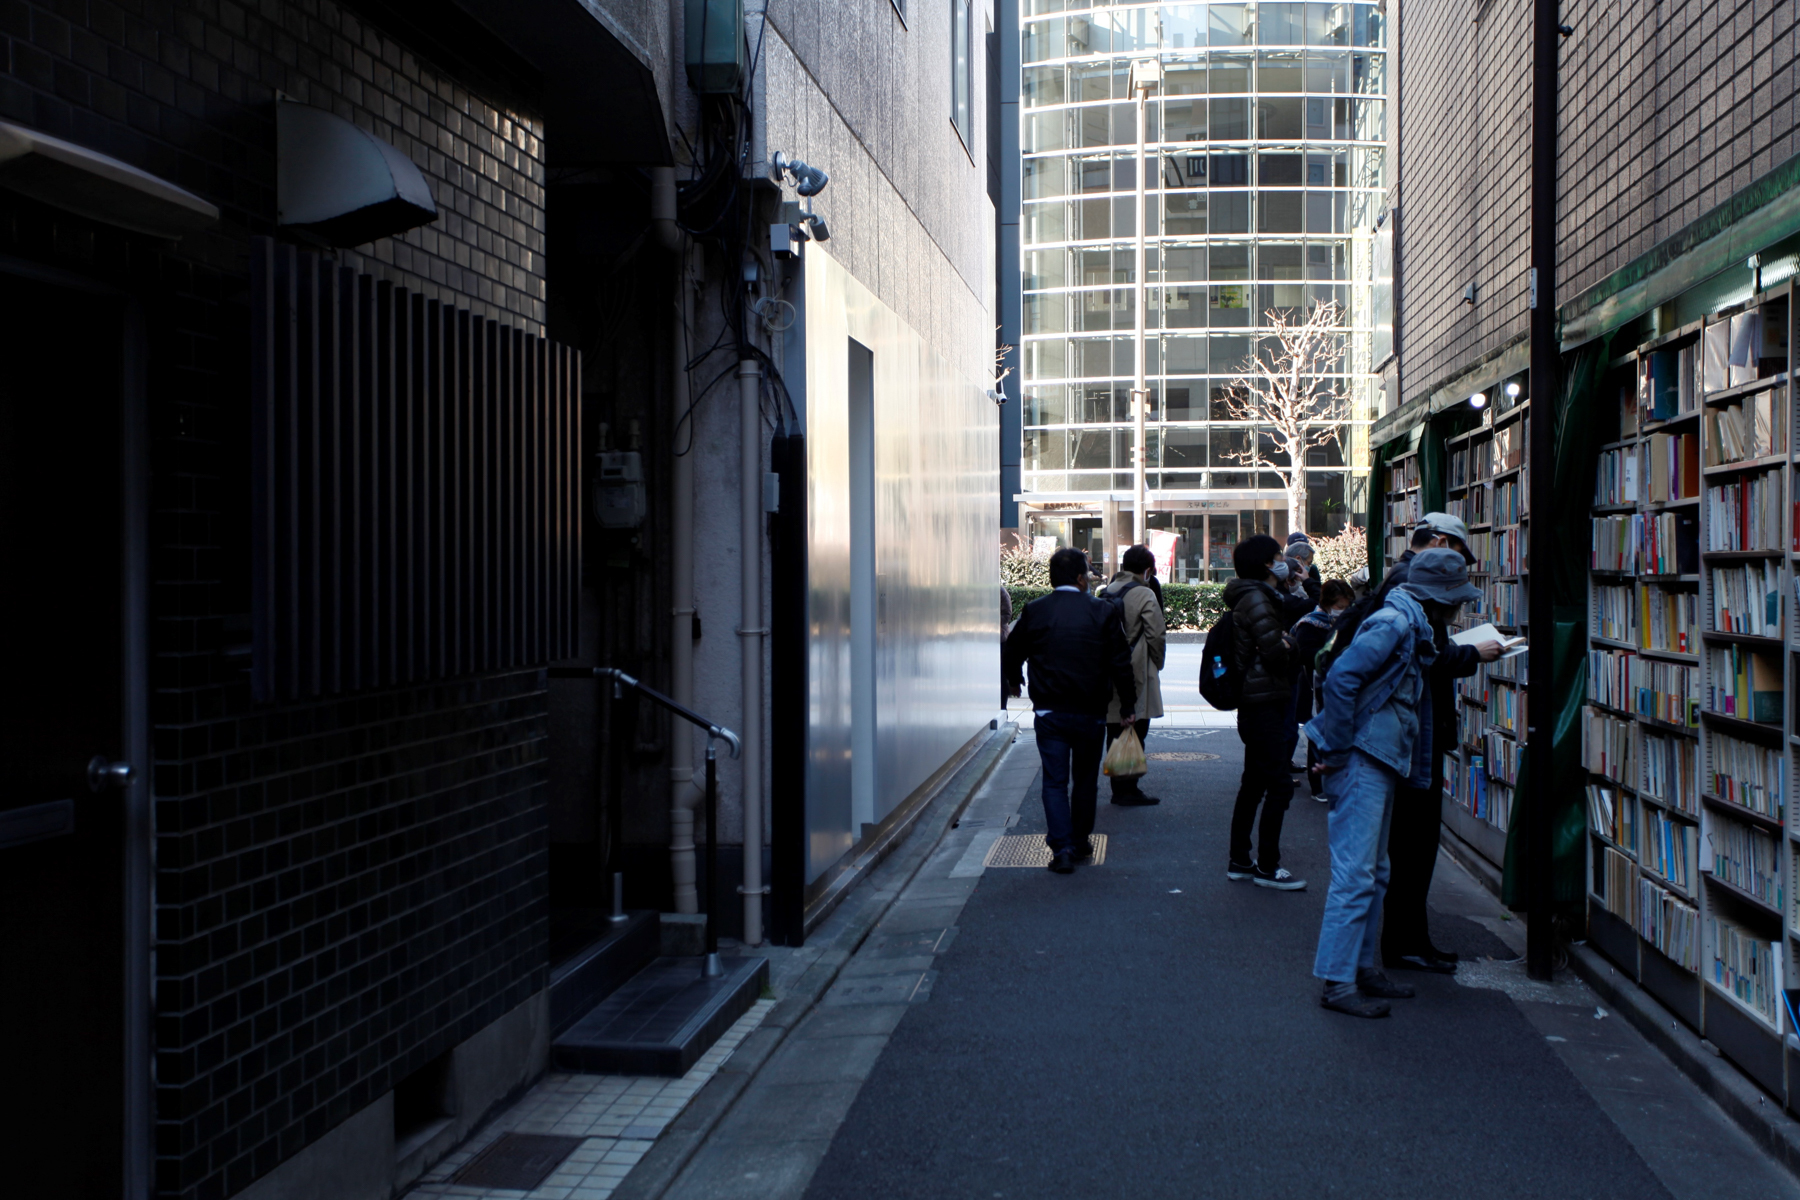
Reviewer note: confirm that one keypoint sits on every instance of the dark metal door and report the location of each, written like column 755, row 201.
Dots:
column 62, row 662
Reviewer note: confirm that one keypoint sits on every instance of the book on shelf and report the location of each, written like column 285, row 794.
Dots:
column 1744, row 683
column 1669, row 620
column 1616, row 612
column 1746, row 966
column 1674, row 466
column 1668, row 847
column 1611, row 680
column 1608, row 747
column 1616, row 480
column 1669, row 767
column 1601, row 806
column 1667, row 922
column 1746, row 858
column 1715, row 357
column 1669, row 542
column 1618, row 877
column 1747, row 774
column 1746, row 513
column 1665, row 691
column 1747, row 598
column 1669, row 379
column 1754, row 428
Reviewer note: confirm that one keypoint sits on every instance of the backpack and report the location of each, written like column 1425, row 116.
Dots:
column 1117, row 601
column 1221, row 679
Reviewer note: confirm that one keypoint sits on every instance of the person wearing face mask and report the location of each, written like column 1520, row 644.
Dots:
column 1309, row 634
column 1373, row 733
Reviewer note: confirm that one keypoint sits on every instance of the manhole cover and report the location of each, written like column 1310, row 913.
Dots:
column 1029, row 850
column 1181, row 756
column 518, row 1161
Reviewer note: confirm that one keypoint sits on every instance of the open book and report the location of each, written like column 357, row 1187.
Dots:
column 1509, row 646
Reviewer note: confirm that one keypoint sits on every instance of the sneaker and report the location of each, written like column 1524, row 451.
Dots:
column 1322, row 798
column 1280, row 878
column 1239, row 871
column 1356, row 1005
column 1062, row 863
column 1371, row 982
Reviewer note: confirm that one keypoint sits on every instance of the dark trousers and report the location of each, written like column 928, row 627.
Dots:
column 1268, row 733
column 1412, row 852
column 1069, row 747
column 1129, row 784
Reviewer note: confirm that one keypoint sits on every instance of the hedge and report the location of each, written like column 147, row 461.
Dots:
column 1188, row 605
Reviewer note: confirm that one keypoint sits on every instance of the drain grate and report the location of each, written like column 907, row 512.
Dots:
column 1029, row 850
column 517, row 1161
column 1182, row 756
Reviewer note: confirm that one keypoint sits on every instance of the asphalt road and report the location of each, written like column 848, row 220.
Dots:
column 1145, row 1028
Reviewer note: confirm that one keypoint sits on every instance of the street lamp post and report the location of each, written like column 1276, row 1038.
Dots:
column 1146, row 73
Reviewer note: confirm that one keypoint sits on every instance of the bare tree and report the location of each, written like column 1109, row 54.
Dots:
column 1284, row 389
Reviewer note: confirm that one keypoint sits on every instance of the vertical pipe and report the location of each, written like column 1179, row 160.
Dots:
column 750, row 634
column 139, row 1158
column 709, row 965
column 683, row 796
column 1140, row 395
column 1540, row 936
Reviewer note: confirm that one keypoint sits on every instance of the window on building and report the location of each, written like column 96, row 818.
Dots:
column 962, row 79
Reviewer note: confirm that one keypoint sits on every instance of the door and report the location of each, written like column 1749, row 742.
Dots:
column 63, row 861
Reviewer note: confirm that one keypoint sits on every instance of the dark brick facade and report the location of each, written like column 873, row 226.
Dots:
column 1667, row 109
column 345, row 889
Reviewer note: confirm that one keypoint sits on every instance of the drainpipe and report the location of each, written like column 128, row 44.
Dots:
column 684, row 796
column 751, row 633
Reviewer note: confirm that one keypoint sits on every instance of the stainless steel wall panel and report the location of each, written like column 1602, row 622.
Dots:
column 936, row 557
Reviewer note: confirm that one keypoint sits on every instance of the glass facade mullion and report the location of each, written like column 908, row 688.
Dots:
column 1267, row 163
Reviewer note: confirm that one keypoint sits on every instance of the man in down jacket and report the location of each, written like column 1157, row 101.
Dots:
column 1261, row 615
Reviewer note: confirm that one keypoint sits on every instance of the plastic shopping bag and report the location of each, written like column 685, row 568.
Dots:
column 1126, row 757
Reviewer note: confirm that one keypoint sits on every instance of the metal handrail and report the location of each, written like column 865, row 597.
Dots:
column 710, row 967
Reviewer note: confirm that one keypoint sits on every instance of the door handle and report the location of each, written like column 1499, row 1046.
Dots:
column 103, row 774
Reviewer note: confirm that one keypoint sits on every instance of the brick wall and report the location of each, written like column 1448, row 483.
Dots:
column 1667, row 109
column 345, row 889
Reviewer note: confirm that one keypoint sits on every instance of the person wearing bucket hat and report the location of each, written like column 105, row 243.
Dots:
column 1406, row 943
column 1373, row 733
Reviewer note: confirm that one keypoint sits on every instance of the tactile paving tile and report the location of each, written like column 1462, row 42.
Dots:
column 1182, row 756
column 1029, row 850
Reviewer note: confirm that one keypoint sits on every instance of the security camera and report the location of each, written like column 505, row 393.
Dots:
column 816, row 226
column 997, row 396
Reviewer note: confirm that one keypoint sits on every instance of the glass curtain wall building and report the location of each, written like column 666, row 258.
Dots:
column 1265, row 179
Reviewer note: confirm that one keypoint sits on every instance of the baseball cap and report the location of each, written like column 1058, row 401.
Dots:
column 1449, row 526
column 1440, row 574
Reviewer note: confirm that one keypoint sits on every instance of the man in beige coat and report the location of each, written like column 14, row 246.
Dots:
column 1146, row 633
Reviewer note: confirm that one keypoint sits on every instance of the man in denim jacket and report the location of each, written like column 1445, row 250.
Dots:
column 1373, row 733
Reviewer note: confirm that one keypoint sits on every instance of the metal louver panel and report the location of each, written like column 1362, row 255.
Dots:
column 415, row 492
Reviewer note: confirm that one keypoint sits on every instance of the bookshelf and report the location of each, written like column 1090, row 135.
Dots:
column 1486, row 484
column 1689, row 743
column 1404, row 502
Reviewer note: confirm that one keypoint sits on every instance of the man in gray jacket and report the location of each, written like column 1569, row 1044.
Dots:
column 1145, row 633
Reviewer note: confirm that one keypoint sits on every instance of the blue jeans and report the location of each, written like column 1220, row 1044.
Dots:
column 1362, row 808
column 1069, row 746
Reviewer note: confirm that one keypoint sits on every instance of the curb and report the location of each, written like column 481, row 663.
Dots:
column 658, row 1170
column 1749, row 1107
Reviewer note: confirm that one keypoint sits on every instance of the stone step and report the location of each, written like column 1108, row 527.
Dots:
column 601, row 968
column 662, row 1020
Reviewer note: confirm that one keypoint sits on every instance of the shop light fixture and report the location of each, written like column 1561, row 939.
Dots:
column 1512, row 389
column 1478, row 400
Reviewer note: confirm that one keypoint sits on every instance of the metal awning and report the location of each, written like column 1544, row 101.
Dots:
column 90, row 184
column 342, row 184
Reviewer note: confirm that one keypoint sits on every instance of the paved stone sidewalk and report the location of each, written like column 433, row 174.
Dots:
column 619, row 1116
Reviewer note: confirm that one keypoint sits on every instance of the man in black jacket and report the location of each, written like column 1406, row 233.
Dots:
column 1078, row 654
column 1260, row 617
column 1418, row 812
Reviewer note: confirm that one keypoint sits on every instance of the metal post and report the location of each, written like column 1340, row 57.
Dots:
column 618, row 911
column 709, row 966
column 1145, row 73
column 1540, row 938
